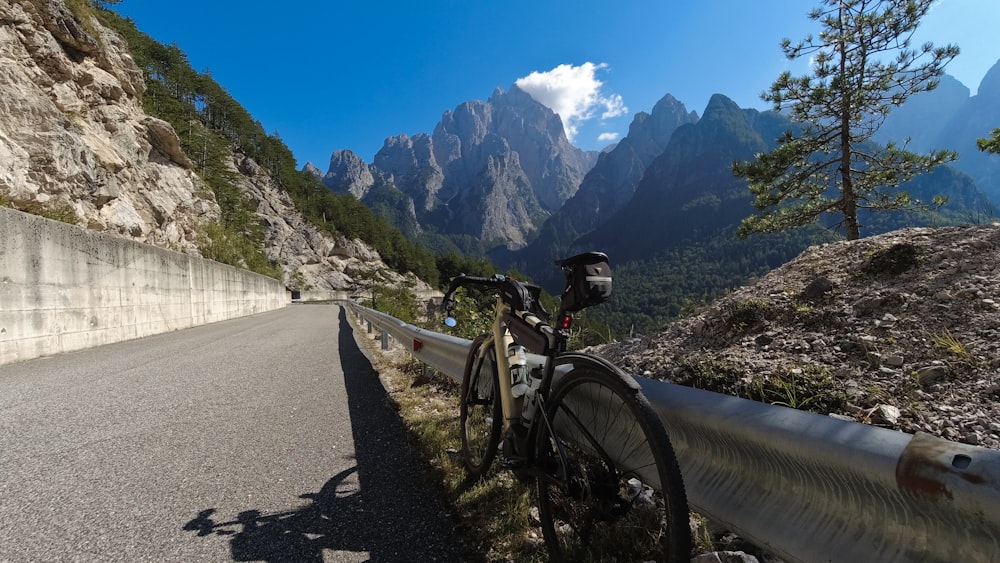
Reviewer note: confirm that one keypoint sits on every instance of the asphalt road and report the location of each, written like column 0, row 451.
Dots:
column 267, row 438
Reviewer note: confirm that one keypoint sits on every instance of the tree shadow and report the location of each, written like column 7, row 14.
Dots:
column 393, row 515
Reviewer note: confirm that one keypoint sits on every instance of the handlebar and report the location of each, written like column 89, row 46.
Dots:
column 462, row 279
column 518, row 295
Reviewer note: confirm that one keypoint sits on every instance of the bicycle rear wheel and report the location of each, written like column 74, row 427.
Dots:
column 619, row 495
column 479, row 414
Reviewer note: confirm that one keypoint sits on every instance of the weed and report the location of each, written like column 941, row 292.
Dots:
column 789, row 392
column 57, row 211
column 803, row 308
column 742, row 316
column 891, row 261
column 946, row 340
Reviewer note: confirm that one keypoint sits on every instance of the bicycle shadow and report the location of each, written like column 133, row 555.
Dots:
column 380, row 508
column 297, row 535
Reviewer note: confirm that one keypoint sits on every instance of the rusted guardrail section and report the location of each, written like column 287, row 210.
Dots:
column 809, row 488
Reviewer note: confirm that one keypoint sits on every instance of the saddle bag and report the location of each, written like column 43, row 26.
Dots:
column 588, row 282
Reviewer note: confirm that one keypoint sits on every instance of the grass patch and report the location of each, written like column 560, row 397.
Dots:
column 57, row 211
column 807, row 388
column 891, row 261
column 958, row 352
column 494, row 515
column 745, row 316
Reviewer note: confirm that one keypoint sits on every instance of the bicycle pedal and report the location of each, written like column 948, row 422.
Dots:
column 513, row 442
column 514, row 464
column 520, row 469
column 510, row 452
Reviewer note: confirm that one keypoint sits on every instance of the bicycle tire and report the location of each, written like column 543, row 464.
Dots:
column 480, row 416
column 600, row 512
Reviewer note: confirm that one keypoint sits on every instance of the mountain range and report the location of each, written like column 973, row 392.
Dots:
column 491, row 173
column 948, row 117
column 500, row 178
column 106, row 128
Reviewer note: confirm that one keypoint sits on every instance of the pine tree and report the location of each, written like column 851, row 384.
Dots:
column 990, row 144
column 828, row 165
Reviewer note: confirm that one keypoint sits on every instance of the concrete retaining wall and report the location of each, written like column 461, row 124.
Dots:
column 64, row 288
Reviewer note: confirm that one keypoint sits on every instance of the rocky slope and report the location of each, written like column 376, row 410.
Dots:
column 73, row 134
column 901, row 330
column 76, row 144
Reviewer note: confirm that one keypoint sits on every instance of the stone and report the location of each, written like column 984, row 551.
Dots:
column 930, row 374
column 887, row 414
column 893, row 361
column 163, row 138
column 725, row 557
column 935, row 330
column 817, row 288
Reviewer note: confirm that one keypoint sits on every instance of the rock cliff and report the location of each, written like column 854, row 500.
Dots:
column 607, row 188
column 75, row 144
column 493, row 170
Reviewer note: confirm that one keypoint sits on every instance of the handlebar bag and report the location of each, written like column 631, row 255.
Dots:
column 520, row 296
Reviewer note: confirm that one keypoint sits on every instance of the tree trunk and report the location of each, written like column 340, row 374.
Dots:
column 850, row 202
column 848, row 197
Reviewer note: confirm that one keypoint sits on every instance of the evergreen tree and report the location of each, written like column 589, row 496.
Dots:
column 828, row 165
column 991, row 144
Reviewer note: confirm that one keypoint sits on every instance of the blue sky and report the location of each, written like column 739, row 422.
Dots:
column 334, row 74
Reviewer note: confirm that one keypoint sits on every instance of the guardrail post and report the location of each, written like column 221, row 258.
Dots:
column 369, row 326
column 385, row 339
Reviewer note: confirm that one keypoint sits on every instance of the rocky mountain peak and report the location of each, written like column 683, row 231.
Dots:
column 409, row 163
column 312, row 169
column 349, row 173
column 441, row 180
column 608, row 186
column 990, row 85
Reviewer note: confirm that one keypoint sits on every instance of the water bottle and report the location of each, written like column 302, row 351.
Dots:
column 531, row 397
column 518, row 360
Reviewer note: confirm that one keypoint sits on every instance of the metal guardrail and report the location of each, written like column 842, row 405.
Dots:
column 807, row 487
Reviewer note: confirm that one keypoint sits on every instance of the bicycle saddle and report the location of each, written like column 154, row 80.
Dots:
column 584, row 258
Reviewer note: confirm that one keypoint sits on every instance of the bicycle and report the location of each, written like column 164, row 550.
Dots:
column 607, row 481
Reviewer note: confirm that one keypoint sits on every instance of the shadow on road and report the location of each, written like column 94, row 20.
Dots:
column 392, row 516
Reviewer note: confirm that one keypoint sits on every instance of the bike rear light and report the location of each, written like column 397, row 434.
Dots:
column 565, row 322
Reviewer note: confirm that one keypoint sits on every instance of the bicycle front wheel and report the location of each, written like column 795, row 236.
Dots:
column 480, row 416
column 617, row 493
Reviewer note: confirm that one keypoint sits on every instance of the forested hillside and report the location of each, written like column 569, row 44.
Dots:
column 211, row 125
column 675, row 242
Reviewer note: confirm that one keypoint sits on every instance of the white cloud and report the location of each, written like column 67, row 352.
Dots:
column 574, row 93
column 607, row 137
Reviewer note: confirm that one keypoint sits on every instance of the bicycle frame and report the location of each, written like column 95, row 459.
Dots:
column 512, row 407
column 502, row 338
